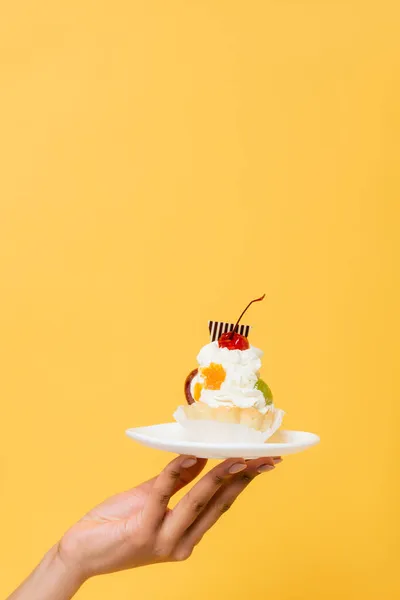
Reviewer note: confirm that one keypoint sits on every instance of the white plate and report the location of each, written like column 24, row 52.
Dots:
column 173, row 438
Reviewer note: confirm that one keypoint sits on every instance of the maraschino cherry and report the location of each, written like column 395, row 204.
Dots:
column 232, row 340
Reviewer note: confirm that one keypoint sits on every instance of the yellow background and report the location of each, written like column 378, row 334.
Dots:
column 163, row 162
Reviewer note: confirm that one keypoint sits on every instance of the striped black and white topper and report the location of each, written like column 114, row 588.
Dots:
column 217, row 328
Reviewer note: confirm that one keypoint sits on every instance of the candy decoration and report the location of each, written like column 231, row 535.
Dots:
column 266, row 390
column 217, row 328
column 188, row 381
column 214, row 376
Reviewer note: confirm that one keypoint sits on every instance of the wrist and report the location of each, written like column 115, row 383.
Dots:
column 51, row 580
column 69, row 573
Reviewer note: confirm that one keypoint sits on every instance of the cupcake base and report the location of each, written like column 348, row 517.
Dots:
column 228, row 424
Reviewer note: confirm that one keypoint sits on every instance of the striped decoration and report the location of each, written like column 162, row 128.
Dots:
column 217, row 328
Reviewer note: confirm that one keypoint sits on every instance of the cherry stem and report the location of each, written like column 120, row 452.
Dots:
column 247, row 307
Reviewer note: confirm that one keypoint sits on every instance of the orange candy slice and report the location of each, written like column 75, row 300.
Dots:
column 214, row 375
column 197, row 391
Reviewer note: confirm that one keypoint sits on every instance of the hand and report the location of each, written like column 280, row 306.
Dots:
column 137, row 528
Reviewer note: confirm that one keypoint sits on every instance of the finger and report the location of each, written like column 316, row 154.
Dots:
column 219, row 505
column 266, row 464
column 186, row 476
column 191, row 505
column 176, row 474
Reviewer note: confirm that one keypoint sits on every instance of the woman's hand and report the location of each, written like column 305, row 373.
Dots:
column 137, row 528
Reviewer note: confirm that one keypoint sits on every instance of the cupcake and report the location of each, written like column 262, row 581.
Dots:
column 227, row 401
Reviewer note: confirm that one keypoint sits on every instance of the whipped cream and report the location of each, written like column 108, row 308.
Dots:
column 242, row 372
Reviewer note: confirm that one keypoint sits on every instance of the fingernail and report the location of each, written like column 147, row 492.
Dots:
column 265, row 468
column 236, row 468
column 189, row 462
column 278, row 460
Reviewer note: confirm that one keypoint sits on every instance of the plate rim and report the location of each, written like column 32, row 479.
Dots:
column 314, row 439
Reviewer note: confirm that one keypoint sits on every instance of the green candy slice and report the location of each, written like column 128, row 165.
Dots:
column 264, row 388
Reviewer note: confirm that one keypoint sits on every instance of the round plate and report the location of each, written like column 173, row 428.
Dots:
column 173, row 438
